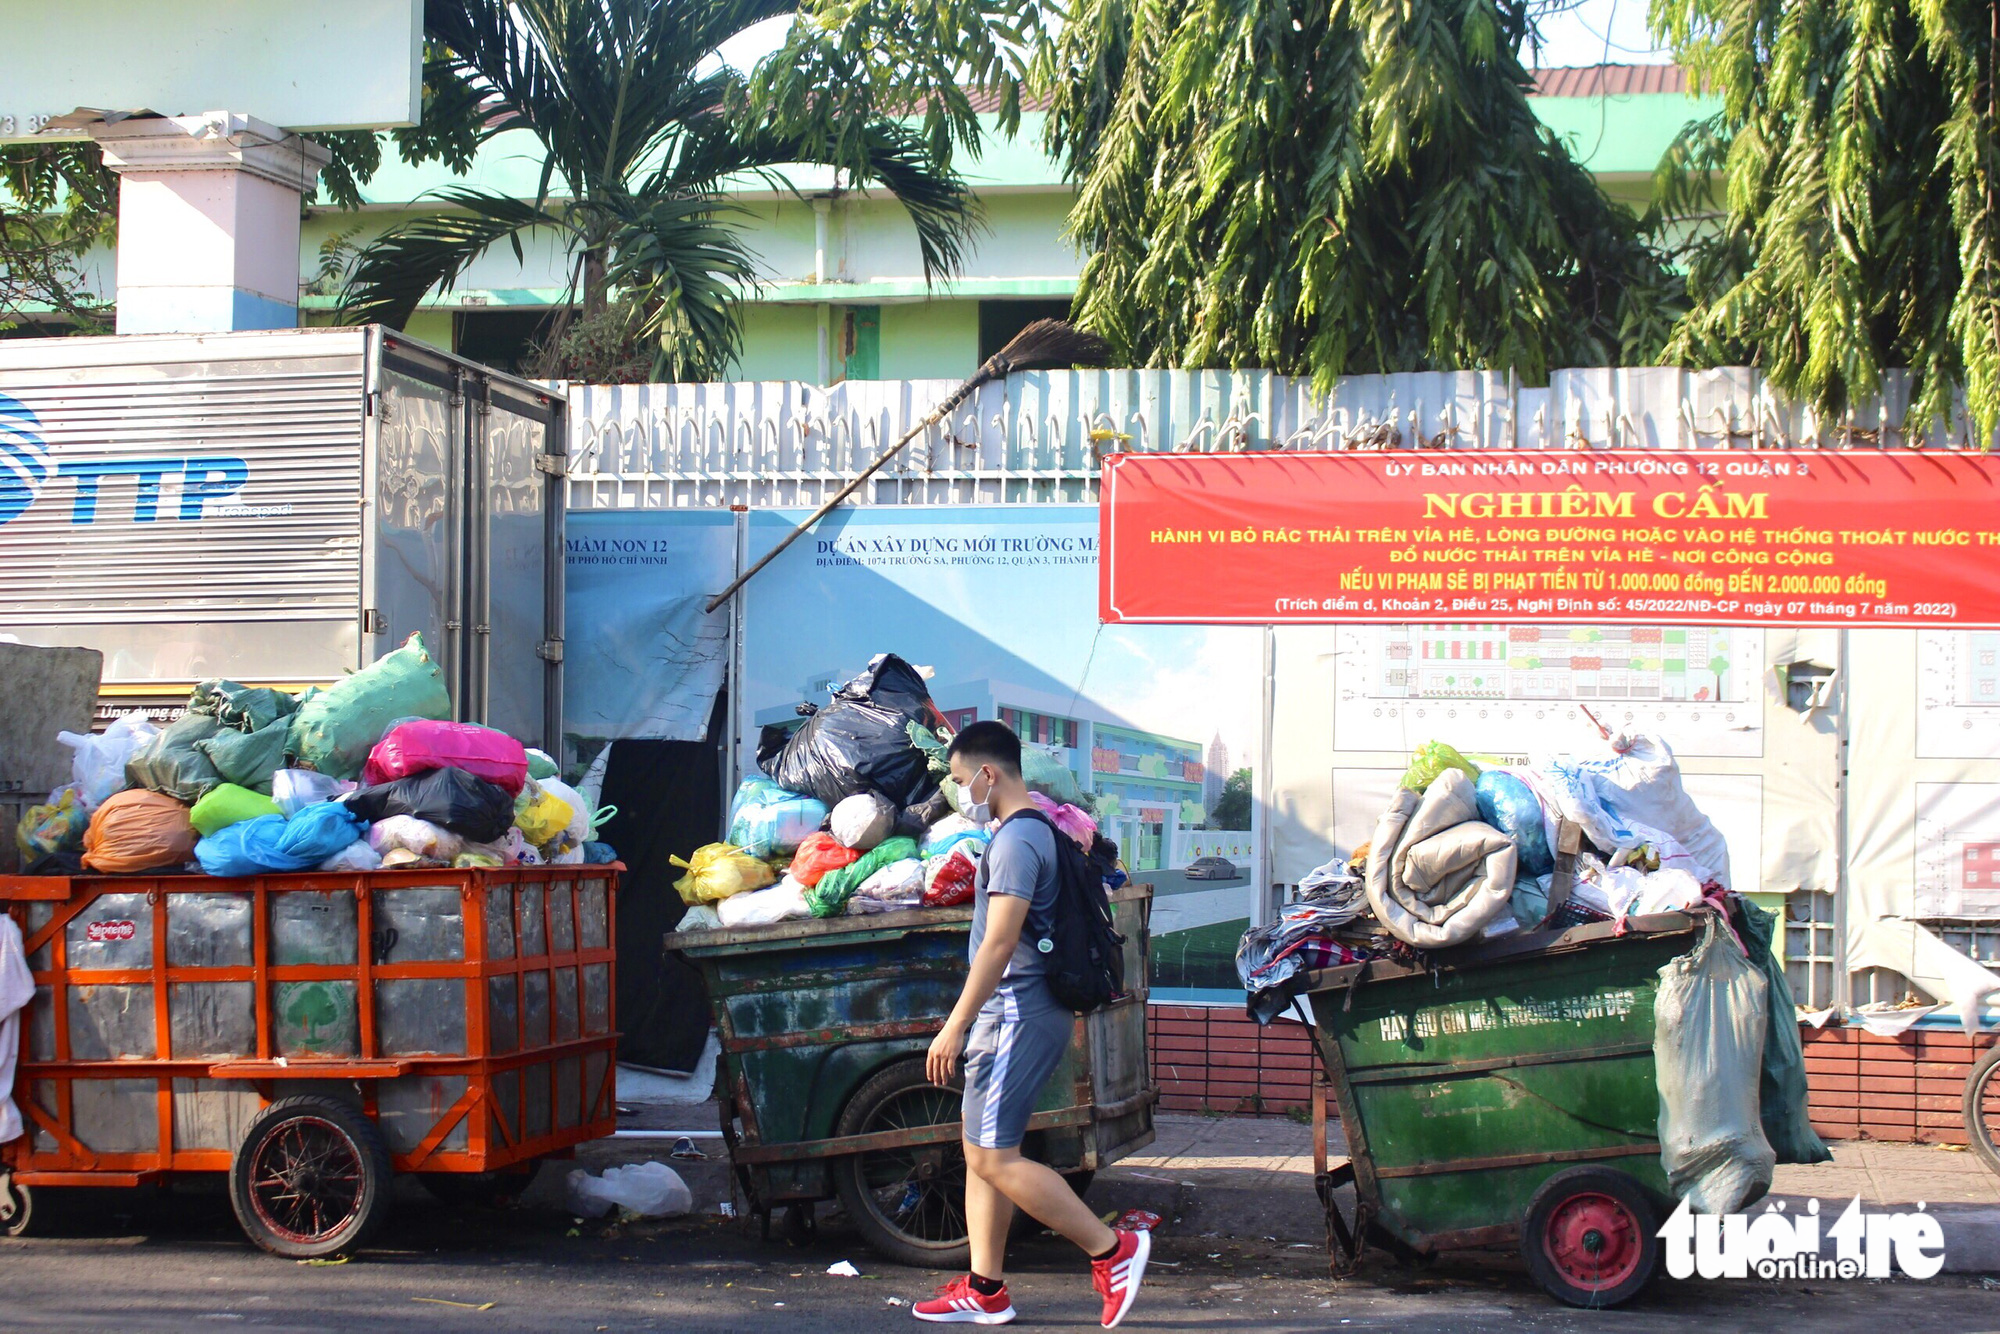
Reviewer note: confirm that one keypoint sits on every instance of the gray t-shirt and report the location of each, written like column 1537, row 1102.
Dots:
column 1020, row 863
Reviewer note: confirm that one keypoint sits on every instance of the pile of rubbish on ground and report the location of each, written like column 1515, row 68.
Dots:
column 857, row 813
column 1468, row 852
column 368, row 774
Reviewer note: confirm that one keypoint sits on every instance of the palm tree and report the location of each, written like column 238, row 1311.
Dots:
column 638, row 142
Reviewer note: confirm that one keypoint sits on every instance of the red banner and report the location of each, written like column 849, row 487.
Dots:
column 1707, row 537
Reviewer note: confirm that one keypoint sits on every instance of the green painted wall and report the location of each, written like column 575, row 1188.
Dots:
column 934, row 340
column 431, row 326
column 779, row 343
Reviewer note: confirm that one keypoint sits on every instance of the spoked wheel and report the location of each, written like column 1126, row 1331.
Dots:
column 1591, row 1237
column 1982, row 1107
column 908, row 1203
column 310, row 1179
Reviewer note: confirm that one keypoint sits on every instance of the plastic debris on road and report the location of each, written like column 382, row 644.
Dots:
column 644, row 1190
column 844, row 1269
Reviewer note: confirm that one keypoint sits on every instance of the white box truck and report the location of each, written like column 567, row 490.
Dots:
column 282, row 508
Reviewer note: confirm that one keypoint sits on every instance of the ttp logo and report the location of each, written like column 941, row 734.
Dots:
column 26, row 467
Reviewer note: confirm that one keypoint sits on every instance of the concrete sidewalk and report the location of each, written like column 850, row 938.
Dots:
column 1251, row 1178
column 1237, row 1176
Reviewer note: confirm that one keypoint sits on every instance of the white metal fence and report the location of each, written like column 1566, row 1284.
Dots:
column 1038, row 437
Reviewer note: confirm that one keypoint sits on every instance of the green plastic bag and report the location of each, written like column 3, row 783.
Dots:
column 1431, row 759
column 1781, row 1087
column 334, row 731
column 937, row 756
column 228, row 805
column 1043, row 772
column 1041, row 769
column 248, row 759
column 171, row 764
column 829, row 897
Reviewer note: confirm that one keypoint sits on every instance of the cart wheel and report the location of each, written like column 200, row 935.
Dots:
column 311, row 1178
column 1982, row 1107
column 908, row 1204
column 1591, row 1237
column 17, row 1208
column 801, row 1224
column 477, row 1190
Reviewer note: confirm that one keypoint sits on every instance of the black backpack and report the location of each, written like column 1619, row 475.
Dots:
column 1085, row 956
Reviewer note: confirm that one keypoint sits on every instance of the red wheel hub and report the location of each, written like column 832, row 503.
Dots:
column 305, row 1179
column 1593, row 1240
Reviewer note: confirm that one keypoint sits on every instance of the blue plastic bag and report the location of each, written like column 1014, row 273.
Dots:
column 1511, row 806
column 273, row 843
column 765, row 819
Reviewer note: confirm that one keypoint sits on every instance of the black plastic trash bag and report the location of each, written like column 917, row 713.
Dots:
column 467, row 805
column 860, row 741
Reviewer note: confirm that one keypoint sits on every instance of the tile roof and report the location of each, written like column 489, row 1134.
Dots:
column 1556, row 81
column 1609, row 80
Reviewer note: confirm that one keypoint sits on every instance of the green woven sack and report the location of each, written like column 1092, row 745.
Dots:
column 829, row 897
column 334, row 731
column 243, row 708
column 248, row 759
column 170, row 763
column 228, row 805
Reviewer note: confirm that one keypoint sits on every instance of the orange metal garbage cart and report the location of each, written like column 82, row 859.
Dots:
column 311, row 1034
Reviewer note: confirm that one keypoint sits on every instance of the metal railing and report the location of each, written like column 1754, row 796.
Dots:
column 1039, row 438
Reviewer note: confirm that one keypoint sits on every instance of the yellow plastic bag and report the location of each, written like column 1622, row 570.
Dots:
column 541, row 815
column 1431, row 759
column 719, row 870
column 56, row 825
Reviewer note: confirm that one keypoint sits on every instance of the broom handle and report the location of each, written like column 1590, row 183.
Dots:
column 937, row 414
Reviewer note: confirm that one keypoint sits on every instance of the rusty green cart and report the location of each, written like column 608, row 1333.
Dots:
column 1505, row 1095
column 824, row 1025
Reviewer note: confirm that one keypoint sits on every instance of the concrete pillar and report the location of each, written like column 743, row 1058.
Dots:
column 208, row 221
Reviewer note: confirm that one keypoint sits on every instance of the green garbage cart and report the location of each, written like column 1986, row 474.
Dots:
column 1504, row 1094
column 824, row 1025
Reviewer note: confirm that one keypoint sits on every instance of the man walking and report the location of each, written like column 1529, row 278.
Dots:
column 1012, row 1032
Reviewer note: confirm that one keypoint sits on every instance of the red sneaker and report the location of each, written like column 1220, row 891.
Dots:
column 957, row 1303
column 1117, row 1277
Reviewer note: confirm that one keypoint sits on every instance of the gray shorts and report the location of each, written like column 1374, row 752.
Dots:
column 1015, row 1045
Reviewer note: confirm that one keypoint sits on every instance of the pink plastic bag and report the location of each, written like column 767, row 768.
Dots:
column 1070, row 819
column 419, row 745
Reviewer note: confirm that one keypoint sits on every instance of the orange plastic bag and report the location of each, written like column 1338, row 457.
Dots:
column 138, row 830
column 817, row 855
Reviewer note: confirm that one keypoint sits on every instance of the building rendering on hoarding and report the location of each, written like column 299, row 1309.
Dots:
column 1144, row 788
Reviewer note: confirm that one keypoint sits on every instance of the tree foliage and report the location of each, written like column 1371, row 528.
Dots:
column 57, row 202
column 1860, row 228
column 1232, row 808
column 1338, row 188
column 641, row 126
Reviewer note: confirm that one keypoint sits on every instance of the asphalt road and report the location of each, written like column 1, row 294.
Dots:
column 1176, row 882
column 180, row 1264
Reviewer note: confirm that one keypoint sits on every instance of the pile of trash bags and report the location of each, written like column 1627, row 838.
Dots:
column 367, row 774
column 857, row 813
column 1468, row 852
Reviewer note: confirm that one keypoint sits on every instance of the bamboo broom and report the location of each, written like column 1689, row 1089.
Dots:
column 1043, row 344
